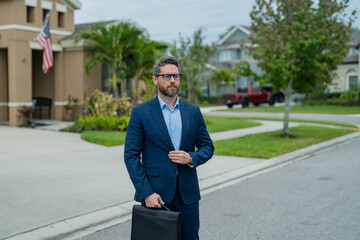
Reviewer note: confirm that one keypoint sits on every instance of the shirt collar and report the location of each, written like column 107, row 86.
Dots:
column 163, row 104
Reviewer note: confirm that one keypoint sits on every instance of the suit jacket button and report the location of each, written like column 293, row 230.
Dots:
column 174, row 170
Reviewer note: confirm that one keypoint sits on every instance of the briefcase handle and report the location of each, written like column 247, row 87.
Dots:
column 165, row 207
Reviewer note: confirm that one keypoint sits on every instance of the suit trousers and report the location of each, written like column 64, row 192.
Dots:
column 190, row 222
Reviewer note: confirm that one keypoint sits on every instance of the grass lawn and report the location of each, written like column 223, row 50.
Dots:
column 302, row 109
column 104, row 138
column 268, row 145
column 302, row 121
column 214, row 124
column 217, row 124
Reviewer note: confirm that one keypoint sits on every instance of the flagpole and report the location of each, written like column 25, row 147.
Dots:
column 30, row 43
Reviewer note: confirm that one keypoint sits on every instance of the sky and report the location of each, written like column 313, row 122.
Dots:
column 164, row 20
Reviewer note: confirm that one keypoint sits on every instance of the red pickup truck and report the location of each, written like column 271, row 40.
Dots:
column 244, row 96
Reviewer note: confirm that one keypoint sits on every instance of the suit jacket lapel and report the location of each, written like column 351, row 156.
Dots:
column 159, row 120
column 185, row 122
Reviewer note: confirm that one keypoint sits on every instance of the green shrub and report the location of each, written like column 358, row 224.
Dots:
column 349, row 98
column 323, row 96
column 103, row 104
column 78, row 127
column 123, row 123
column 99, row 123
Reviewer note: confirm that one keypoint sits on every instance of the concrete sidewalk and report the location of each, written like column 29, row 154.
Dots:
column 56, row 186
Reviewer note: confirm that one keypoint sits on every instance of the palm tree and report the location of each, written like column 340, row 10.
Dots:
column 148, row 52
column 111, row 45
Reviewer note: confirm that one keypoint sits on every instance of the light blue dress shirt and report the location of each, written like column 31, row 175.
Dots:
column 173, row 121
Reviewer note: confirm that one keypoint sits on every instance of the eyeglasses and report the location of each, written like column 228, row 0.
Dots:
column 167, row 77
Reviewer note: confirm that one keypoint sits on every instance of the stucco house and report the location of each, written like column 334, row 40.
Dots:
column 232, row 47
column 21, row 76
column 347, row 74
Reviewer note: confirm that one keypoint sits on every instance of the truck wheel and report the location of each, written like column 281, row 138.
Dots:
column 271, row 101
column 245, row 103
column 281, row 99
column 230, row 105
column 256, row 104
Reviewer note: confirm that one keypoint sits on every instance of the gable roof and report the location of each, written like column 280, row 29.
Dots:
column 87, row 26
column 243, row 29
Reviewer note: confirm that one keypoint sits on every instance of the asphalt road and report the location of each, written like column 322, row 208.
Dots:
column 316, row 198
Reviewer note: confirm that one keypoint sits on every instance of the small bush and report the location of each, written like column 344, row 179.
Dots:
column 103, row 104
column 99, row 123
column 349, row 98
column 78, row 127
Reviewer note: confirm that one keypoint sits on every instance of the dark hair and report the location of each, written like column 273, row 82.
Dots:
column 163, row 61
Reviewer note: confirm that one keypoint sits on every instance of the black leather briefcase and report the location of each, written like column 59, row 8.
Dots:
column 148, row 223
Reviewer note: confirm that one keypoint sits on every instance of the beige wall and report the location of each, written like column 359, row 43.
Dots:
column 92, row 80
column 340, row 81
column 3, row 86
column 74, row 74
column 14, row 12
column 59, row 94
column 76, row 80
column 20, row 87
column 6, row 12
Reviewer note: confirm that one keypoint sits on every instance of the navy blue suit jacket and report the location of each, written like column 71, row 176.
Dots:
column 148, row 144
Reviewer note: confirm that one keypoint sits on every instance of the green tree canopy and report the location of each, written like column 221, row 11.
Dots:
column 298, row 43
column 192, row 54
column 141, row 66
column 112, row 45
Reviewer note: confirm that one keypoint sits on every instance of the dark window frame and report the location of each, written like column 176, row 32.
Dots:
column 61, row 19
column 30, row 14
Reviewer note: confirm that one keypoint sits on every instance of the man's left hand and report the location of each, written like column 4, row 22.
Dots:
column 180, row 157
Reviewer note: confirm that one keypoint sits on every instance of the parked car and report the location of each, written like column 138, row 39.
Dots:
column 246, row 95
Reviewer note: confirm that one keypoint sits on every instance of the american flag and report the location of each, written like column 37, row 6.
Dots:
column 44, row 41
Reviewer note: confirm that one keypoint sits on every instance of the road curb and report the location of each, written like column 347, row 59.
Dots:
column 88, row 223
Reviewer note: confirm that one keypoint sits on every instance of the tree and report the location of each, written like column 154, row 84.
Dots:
column 111, row 45
column 298, row 44
column 192, row 54
column 221, row 76
column 148, row 51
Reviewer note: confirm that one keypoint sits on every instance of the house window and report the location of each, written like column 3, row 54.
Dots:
column 61, row 19
column 30, row 14
column 225, row 55
column 353, row 51
column 238, row 54
column 45, row 12
column 353, row 83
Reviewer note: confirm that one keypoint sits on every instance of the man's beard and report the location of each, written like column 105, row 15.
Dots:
column 169, row 92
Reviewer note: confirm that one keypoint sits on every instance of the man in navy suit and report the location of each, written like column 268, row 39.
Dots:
column 160, row 152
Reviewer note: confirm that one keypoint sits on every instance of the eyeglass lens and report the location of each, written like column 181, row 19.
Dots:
column 167, row 77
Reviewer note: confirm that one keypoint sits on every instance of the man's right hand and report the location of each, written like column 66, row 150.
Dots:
column 153, row 201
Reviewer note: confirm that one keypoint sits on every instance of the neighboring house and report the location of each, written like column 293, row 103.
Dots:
column 347, row 74
column 21, row 76
column 232, row 47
